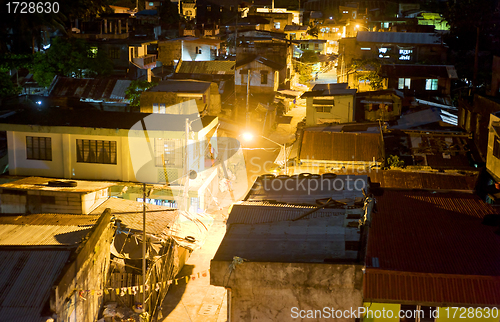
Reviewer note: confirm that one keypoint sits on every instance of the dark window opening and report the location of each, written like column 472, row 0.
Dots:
column 38, row 148
column 96, row 151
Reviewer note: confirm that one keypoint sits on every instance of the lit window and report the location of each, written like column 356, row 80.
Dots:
column 151, row 4
column 209, row 8
column 405, row 54
column 96, row 151
column 431, row 84
column 162, row 109
column 365, row 48
column 155, row 108
column 404, row 83
column 38, row 148
column 276, row 25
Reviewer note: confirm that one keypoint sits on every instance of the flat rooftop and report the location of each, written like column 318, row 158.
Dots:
column 39, row 183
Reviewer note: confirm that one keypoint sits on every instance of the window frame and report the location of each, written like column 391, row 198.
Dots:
column 35, row 152
column 99, row 151
column 431, row 84
column 264, row 77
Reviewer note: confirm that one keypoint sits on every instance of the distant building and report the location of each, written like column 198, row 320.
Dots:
column 321, row 152
column 167, row 96
column 170, row 52
column 265, row 75
column 330, row 103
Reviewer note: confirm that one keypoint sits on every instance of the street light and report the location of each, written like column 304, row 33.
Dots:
column 247, row 136
column 358, row 26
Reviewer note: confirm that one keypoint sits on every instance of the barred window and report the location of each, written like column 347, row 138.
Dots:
column 96, row 151
column 168, row 152
column 38, row 148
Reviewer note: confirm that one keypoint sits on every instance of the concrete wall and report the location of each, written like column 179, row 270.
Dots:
column 168, row 51
column 274, row 78
column 189, row 51
column 36, row 201
column 87, row 271
column 132, row 154
column 342, row 111
column 263, row 291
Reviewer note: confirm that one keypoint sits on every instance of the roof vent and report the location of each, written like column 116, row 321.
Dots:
column 62, row 184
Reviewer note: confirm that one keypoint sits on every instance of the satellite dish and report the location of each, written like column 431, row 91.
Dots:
column 193, row 174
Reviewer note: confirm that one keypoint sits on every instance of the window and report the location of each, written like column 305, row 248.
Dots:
column 405, row 54
column 114, row 53
column 162, row 109
column 316, row 46
column 168, row 152
column 323, row 109
column 263, row 76
column 38, row 148
column 277, row 25
column 209, row 8
column 155, row 108
column 366, row 48
column 431, row 84
column 404, row 83
column 96, row 151
column 496, row 147
column 151, row 4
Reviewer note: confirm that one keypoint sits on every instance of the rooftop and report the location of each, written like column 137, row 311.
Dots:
column 159, row 219
column 432, row 247
column 306, row 189
column 314, row 240
column 101, row 119
column 39, row 183
column 399, row 37
column 338, row 146
column 206, row 67
column 270, row 63
column 329, row 90
column 184, row 86
column 102, row 89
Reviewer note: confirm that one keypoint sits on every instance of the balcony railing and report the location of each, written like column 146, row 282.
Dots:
column 146, row 61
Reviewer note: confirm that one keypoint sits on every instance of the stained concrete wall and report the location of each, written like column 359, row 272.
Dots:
column 263, row 291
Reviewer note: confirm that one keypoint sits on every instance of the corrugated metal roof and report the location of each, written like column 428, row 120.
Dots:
column 184, row 86
column 158, row 218
column 206, row 67
column 99, row 89
column 334, row 146
column 399, row 37
column 262, row 60
column 423, row 180
column 30, row 235
column 26, row 278
column 251, row 213
column 39, row 183
column 49, row 219
column 316, row 240
column 431, row 233
column 431, row 289
column 306, row 189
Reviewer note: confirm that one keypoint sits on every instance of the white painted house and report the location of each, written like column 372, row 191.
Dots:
column 329, row 103
column 98, row 145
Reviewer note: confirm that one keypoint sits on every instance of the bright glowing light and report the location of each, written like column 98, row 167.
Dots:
column 247, row 136
column 39, row 102
column 331, row 18
column 357, row 26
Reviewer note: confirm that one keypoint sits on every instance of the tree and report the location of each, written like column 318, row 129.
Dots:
column 135, row 89
column 7, row 87
column 304, row 66
column 313, row 29
column 472, row 22
column 393, row 162
column 369, row 70
column 69, row 57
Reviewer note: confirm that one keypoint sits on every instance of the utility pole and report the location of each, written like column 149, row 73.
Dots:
column 186, row 168
column 248, row 97
column 144, row 297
